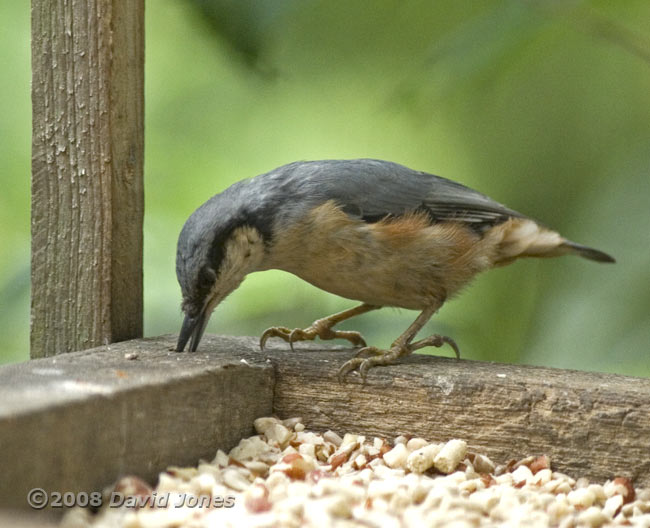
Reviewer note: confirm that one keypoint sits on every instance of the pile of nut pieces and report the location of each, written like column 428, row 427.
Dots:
column 287, row 476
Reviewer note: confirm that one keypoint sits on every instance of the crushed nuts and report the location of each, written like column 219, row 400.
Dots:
column 287, row 476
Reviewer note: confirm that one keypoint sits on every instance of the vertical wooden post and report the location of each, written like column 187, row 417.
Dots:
column 87, row 165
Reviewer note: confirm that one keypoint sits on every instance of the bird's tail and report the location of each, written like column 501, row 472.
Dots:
column 587, row 252
column 522, row 237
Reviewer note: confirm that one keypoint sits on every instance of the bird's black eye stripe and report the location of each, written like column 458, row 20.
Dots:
column 217, row 250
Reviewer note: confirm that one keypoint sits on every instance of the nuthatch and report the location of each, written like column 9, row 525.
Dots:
column 368, row 230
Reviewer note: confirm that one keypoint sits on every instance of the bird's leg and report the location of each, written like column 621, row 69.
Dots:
column 402, row 346
column 321, row 328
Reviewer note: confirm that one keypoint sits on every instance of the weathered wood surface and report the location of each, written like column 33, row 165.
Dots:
column 87, row 165
column 590, row 424
column 78, row 421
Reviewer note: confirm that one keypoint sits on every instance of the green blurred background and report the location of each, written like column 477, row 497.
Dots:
column 545, row 106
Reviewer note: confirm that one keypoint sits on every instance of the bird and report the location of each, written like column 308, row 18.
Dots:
column 367, row 230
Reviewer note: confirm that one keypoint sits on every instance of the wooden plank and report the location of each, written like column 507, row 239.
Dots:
column 79, row 421
column 87, row 162
column 591, row 424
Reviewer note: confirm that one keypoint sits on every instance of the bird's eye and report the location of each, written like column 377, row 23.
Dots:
column 207, row 276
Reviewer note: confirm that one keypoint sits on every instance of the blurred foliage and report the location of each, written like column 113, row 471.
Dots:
column 543, row 105
column 15, row 165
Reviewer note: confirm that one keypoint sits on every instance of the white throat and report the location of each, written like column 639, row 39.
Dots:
column 243, row 254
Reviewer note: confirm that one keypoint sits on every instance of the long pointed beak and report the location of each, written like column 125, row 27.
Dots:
column 192, row 330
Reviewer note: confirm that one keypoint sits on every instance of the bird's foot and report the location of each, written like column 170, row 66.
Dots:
column 379, row 356
column 321, row 328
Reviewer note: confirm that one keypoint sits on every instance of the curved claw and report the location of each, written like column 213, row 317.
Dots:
column 298, row 334
column 453, row 345
column 291, row 340
column 364, row 364
column 349, row 366
column 274, row 331
column 437, row 341
column 365, row 367
column 263, row 339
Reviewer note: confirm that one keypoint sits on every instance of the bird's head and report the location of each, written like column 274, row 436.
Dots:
column 216, row 250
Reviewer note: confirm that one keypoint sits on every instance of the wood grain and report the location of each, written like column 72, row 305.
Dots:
column 590, row 424
column 87, row 163
column 77, row 421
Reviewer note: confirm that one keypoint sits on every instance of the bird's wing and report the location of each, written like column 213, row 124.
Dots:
column 373, row 190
